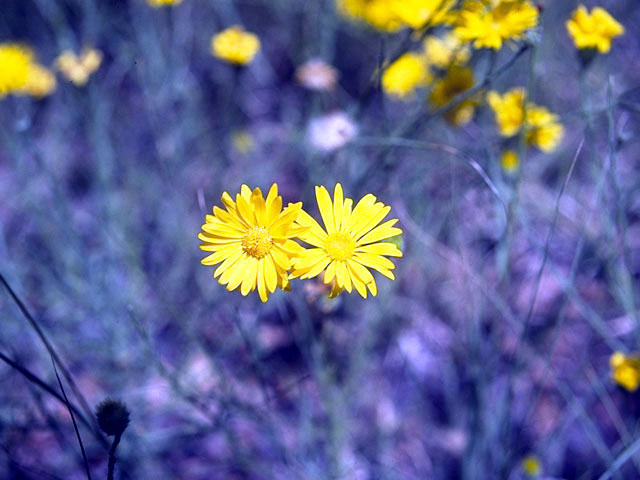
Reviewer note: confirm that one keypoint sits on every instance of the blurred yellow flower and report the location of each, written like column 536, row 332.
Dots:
column 351, row 242
column 377, row 13
column 78, row 69
column 457, row 80
column 163, row 3
column 531, row 465
column 510, row 161
column 242, row 142
column 402, row 77
column 40, row 81
column 419, row 13
column 446, row 51
column 488, row 23
column 235, row 45
column 15, row 62
column 252, row 239
column 593, row 30
column 625, row 370
column 542, row 128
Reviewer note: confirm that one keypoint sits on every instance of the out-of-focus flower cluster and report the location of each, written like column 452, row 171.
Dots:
column 21, row 74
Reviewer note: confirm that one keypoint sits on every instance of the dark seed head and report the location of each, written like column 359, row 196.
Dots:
column 113, row 417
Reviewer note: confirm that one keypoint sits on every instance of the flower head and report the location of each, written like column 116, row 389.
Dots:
column 78, row 68
column 163, row 3
column 235, row 45
column 625, row 370
column 317, row 75
column 351, row 242
column 457, row 80
column 113, row 417
column 15, row 61
column 488, row 23
column 531, row 465
column 542, row 128
column 444, row 52
column 510, row 161
column 593, row 30
column 405, row 75
column 331, row 131
column 252, row 239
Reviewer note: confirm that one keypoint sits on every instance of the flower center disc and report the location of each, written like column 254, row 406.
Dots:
column 257, row 242
column 340, row 246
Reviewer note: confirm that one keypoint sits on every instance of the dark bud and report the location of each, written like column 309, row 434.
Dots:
column 113, row 417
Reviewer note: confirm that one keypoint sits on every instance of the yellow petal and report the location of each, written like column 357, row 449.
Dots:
column 249, row 281
column 382, row 248
column 270, row 273
column 326, row 208
column 230, row 261
column 314, row 235
column 382, row 232
column 338, row 206
column 261, row 281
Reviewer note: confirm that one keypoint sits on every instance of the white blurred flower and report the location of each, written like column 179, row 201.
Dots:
column 332, row 131
column 317, row 74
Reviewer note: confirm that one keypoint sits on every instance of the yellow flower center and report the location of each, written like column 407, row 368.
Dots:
column 340, row 246
column 257, row 242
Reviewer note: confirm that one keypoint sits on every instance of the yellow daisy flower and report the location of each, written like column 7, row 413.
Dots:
column 252, row 239
column 593, row 30
column 457, row 80
column 78, row 68
column 625, row 370
column 350, row 244
column 402, row 77
column 15, row 61
column 543, row 128
column 163, row 3
column 489, row 23
column 234, row 45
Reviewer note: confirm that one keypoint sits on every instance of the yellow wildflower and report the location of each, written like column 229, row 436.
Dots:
column 15, row 61
column 40, row 81
column 489, row 23
column 163, row 3
column 593, row 30
column 457, row 80
column 252, row 239
column 234, row 45
column 419, row 13
column 542, row 128
column 377, row 13
column 625, row 370
column 402, row 77
column 350, row 243
column 531, row 465
column 510, row 161
column 443, row 52
column 242, row 142
column 78, row 68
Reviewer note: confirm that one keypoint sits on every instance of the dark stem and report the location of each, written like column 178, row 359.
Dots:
column 112, row 456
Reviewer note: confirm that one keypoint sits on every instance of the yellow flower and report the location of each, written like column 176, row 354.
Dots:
column 443, row 52
column 542, row 128
column 242, row 142
column 508, row 109
column 78, row 69
column 593, row 30
column 377, row 13
column 40, row 81
column 625, row 370
column 163, row 3
column 489, row 23
column 458, row 80
column 419, row 13
column 350, row 244
column 15, row 61
column 531, row 465
column 234, row 45
column 510, row 161
column 252, row 239
column 402, row 77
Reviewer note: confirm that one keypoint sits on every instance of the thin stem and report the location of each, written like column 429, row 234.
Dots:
column 112, row 456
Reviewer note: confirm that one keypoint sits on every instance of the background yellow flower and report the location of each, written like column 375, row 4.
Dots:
column 593, row 30
column 235, row 45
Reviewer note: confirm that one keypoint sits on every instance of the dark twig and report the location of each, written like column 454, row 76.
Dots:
column 112, row 456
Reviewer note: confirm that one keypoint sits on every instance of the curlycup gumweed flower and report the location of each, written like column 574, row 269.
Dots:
column 593, row 30
column 78, row 68
column 489, row 23
column 235, row 45
column 351, row 242
column 457, row 81
column 15, row 62
column 542, row 128
column 405, row 75
column 252, row 239
column 625, row 370
column 163, row 3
